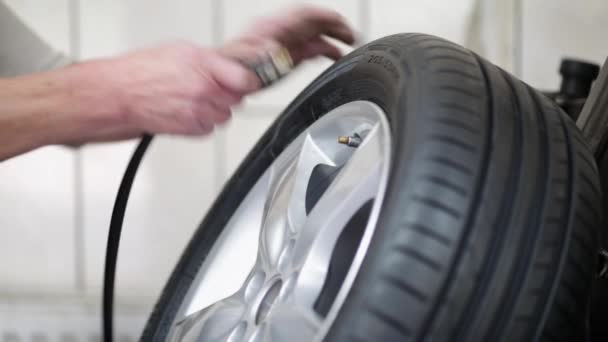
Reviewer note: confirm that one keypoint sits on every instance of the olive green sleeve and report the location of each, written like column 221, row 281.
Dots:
column 22, row 51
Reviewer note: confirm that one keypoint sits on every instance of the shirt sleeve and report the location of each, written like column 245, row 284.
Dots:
column 22, row 51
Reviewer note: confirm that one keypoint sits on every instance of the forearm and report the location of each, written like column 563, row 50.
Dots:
column 175, row 89
column 58, row 107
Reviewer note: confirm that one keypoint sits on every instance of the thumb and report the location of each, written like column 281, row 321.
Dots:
column 231, row 74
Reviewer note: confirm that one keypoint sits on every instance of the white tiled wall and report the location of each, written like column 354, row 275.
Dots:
column 64, row 319
column 179, row 178
column 51, row 19
column 114, row 26
column 247, row 125
column 448, row 19
column 37, row 193
column 173, row 189
column 557, row 28
column 36, row 224
column 176, row 182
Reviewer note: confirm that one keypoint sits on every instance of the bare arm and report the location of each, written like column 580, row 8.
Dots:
column 177, row 88
column 38, row 110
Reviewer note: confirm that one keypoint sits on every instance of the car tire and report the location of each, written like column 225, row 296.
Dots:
column 490, row 223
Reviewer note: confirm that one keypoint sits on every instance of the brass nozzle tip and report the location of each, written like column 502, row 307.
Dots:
column 282, row 61
column 343, row 140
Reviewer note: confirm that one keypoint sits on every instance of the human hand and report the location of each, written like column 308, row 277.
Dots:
column 303, row 31
column 181, row 88
column 176, row 88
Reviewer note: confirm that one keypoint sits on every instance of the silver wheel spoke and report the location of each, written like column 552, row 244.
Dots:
column 274, row 227
column 285, row 211
column 310, row 156
column 356, row 184
column 286, row 319
column 218, row 322
column 239, row 256
column 272, row 258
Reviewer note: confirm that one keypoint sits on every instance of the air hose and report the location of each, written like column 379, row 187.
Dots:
column 118, row 215
column 268, row 70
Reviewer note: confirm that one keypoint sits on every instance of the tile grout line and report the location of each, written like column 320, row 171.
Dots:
column 78, row 219
column 517, row 40
column 364, row 19
column 219, row 140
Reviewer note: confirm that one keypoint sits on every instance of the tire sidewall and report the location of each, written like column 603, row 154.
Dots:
column 370, row 75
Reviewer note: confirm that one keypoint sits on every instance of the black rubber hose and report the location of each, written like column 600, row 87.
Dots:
column 261, row 69
column 118, row 215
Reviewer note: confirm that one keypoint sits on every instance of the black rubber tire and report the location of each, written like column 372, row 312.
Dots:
column 599, row 292
column 489, row 227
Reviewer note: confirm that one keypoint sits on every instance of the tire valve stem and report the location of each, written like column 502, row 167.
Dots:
column 352, row 141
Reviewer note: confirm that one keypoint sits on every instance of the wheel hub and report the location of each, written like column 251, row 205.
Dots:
column 268, row 300
column 302, row 211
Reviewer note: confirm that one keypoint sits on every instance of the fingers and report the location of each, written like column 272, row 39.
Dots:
column 213, row 91
column 317, row 47
column 299, row 30
column 224, row 80
column 200, row 128
column 312, row 21
column 217, row 113
column 250, row 49
column 224, row 83
column 209, row 114
column 197, row 118
column 202, row 120
column 326, row 49
column 231, row 75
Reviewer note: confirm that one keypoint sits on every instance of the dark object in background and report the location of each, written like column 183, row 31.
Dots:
column 593, row 122
column 575, row 91
column 577, row 77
